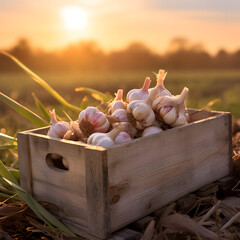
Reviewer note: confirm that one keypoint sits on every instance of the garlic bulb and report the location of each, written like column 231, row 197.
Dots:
column 183, row 116
column 142, row 112
column 151, row 130
column 92, row 120
column 74, row 133
column 139, row 94
column 121, row 114
column 162, row 91
column 172, row 108
column 117, row 103
column 104, row 139
column 58, row 128
column 122, row 137
column 126, row 127
column 77, row 133
column 168, row 114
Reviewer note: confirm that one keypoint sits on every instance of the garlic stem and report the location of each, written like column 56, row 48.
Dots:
column 119, row 95
column 53, row 117
column 146, row 84
column 112, row 134
column 174, row 100
column 161, row 75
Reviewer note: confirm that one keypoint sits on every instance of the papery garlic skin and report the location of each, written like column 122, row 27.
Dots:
column 77, row 133
column 58, row 128
column 151, row 130
column 168, row 114
column 121, row 114
column 104, row 139
column 142, row 111
column 100, row 139
column 117, row 103
column 122, row 137
column 126, row 127
column 172, row 108
column 139, row 94
column 96, row 118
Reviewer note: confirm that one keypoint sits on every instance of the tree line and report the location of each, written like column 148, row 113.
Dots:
column 87, row 55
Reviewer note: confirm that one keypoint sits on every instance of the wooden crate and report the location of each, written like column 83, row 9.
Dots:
column 105, row 189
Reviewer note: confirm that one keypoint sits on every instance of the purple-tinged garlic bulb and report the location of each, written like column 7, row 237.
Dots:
column 139, row 94
column 58, row 128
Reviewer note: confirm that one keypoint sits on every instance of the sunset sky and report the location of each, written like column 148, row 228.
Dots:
column 114, row 24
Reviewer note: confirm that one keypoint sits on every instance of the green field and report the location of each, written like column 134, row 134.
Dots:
column 220, row 87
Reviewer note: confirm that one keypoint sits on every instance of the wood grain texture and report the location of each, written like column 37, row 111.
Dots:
column 25, row 163
column 105, row 189
column 66, row 189
column 97, row 193
column 154, row 171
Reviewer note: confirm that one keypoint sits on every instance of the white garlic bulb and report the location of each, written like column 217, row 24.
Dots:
column 142, row 111
column 58, row 128
column 139, row 94
column 168, row 114
column 104, row 139
column 172, row 108
column 151, row 130
column 117, row 103
column 126, row 127
column 122, row 137
column 121, row 114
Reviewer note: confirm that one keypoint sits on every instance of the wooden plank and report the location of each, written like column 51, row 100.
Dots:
column 71, row 180
column 79, row 229
column 64, row 188
column 42, row 130
column 151, row 172
column 229, row 125
column 70, row 205
column 97, row 192
column 25, row 164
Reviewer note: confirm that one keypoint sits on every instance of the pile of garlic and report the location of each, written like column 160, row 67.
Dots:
column 146, row 111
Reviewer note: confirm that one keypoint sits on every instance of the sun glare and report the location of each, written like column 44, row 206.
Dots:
column 74, row 18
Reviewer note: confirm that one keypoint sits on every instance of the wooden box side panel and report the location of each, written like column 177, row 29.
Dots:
column 152, row 172
column 64, row 188
column 97, row 192
column 25, row 165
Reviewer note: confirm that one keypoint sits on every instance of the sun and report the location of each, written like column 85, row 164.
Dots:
column 74, row 18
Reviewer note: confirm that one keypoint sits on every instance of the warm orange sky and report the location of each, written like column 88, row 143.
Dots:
column 113, row 24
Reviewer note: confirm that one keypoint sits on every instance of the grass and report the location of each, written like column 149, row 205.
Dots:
column 204, row 86
column 216, row 89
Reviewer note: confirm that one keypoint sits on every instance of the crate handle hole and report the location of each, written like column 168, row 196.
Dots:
column 57, row 161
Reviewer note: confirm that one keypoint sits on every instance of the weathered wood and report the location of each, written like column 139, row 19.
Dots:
column 103, row 190
column 153, row 171
column 200, row 114
column 25, row 165
column 65, row 189
column 97, row 193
